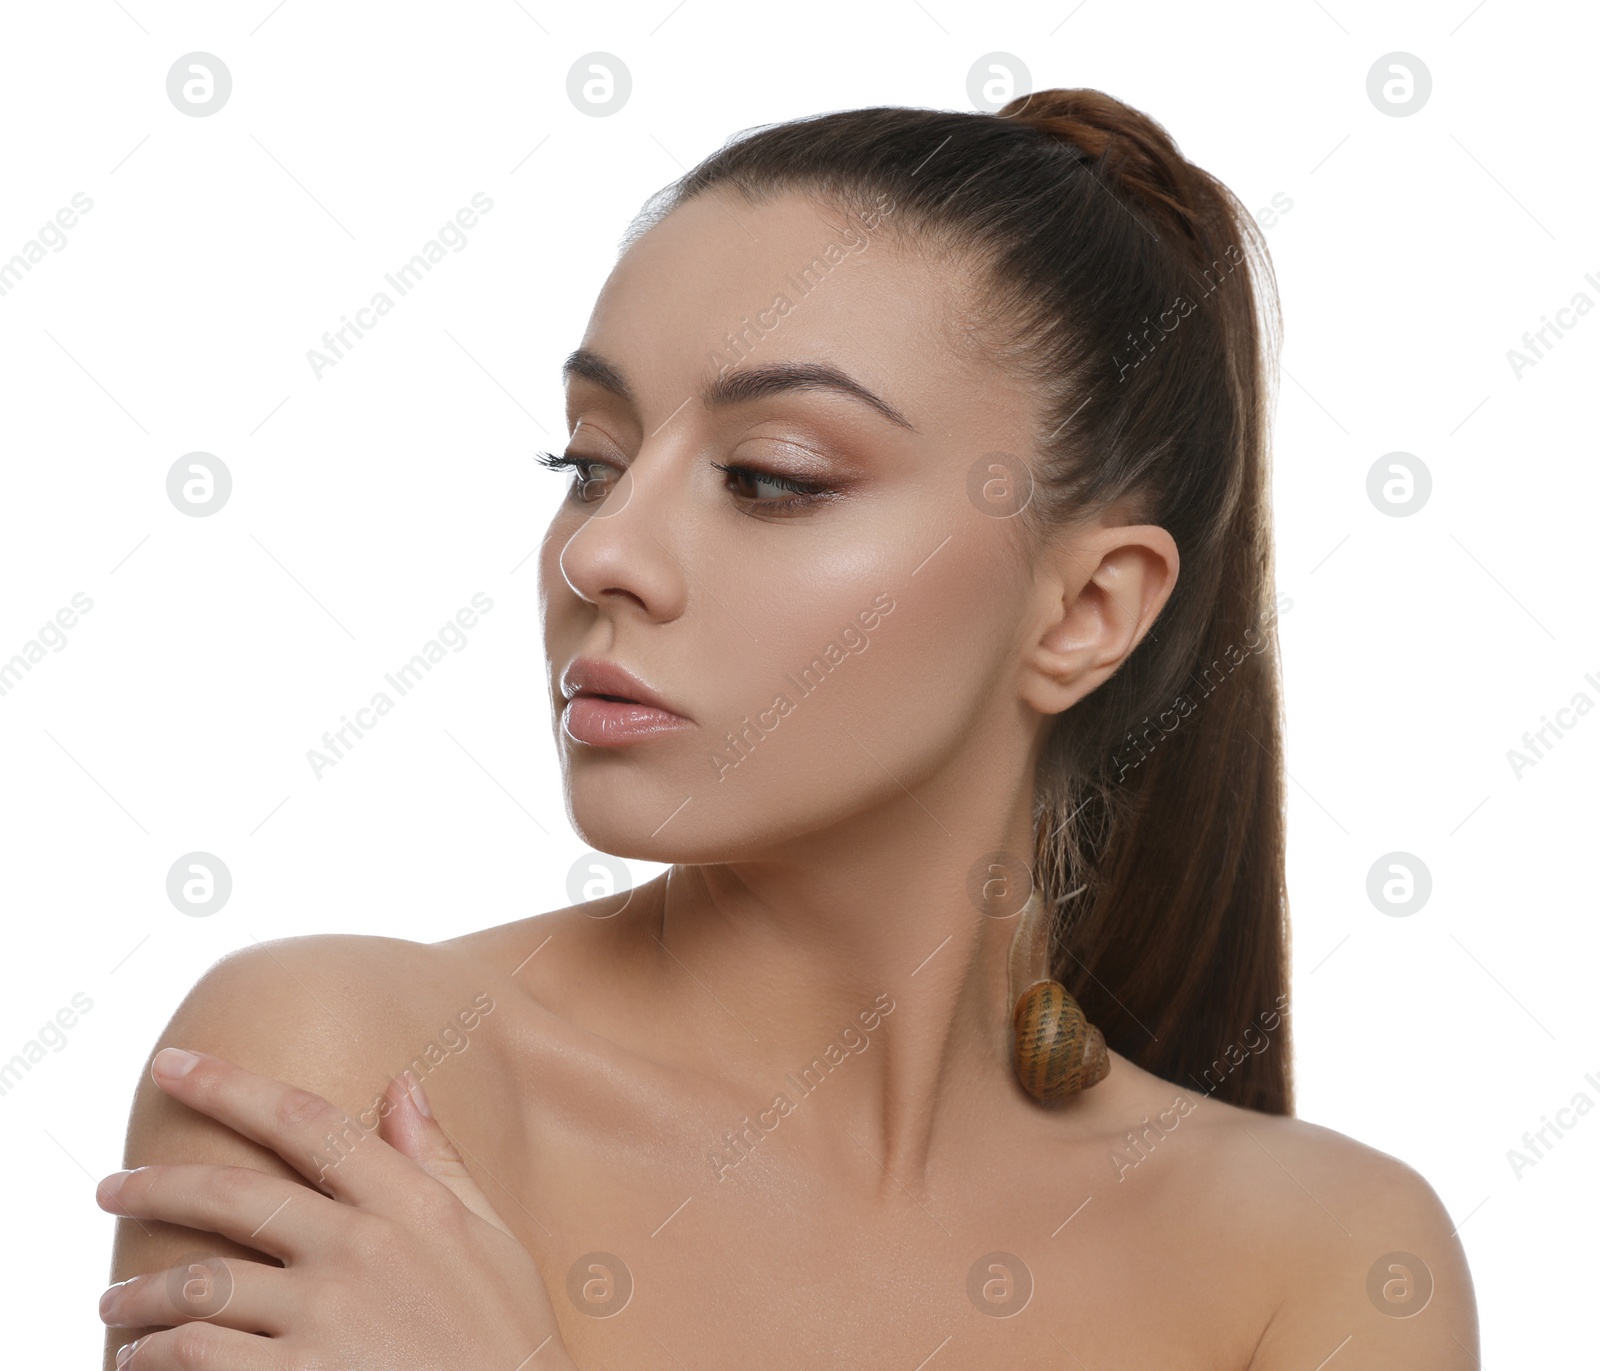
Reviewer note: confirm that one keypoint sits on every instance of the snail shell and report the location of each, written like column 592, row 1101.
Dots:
column 1057, row 1052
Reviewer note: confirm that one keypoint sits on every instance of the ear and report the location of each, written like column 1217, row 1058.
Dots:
column 1100, row 591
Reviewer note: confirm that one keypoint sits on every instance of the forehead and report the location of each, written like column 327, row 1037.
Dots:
column 719, row 282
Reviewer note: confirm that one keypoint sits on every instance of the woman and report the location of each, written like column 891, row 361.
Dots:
column 890, row 432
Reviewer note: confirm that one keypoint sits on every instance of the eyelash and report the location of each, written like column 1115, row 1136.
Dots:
column 805, row 493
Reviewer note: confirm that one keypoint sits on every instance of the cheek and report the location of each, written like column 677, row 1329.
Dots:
column 860, row 686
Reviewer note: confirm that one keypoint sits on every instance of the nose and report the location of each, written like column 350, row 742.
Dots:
column 626, row 547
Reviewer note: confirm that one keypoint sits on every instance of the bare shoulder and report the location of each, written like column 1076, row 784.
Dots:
column 336, row 1014
column 333, row 1014
column 1364, row 1252
column 340, row 1013
column 329, row 1007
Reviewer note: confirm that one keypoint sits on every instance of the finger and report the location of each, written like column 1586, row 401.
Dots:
column 269, row 1213
column 410, row 1128
column 318, row 1139
column 202, row 1347
column 248, row 1296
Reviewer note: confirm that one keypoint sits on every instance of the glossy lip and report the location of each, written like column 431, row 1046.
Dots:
column 595, row 676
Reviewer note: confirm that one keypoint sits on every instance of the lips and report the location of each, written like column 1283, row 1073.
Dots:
column 593, row 676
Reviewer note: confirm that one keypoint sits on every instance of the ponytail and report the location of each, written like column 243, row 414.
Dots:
column 1159, row 808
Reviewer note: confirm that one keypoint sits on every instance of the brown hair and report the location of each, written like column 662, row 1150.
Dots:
column 1134, row 291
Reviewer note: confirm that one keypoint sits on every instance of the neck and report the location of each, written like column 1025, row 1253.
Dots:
column 880, row 995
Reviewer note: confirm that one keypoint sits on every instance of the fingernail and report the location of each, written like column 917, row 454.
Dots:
column 108, row 1299
column 123, row 1353
column 105, row 1193
column 173, row 1062
column 418, row 1098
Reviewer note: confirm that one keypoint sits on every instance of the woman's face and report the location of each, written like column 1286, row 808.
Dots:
column 831, row 651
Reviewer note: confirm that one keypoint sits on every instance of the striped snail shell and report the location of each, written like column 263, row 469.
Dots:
column 1056, row 1052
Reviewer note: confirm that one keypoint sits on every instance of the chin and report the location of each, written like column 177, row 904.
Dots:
column 642, row 818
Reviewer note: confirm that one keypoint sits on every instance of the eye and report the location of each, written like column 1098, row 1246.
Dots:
column 583, row 477
column 587, row 481
column 803, row 494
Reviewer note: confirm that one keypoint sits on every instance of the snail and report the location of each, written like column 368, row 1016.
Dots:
column 1055, row 1050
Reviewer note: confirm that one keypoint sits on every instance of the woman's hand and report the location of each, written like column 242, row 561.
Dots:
column 403, row 1262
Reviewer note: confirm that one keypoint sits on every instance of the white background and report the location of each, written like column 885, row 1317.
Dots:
column 370, row 504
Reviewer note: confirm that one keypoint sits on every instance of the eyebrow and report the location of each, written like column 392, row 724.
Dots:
column 748, row 383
